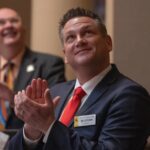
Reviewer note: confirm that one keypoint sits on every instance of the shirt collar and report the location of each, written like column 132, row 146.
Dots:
column 16, row 60
column 91, row 84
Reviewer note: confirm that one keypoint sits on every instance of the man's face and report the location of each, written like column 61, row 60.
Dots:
column 11, row 28
column 84, row 44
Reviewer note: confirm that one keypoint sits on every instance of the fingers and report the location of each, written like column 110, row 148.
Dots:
column 56, row 101
column 29, row 91
column 38, row 88
column 33, row 86
column 47, row 97
column 44, row 86
column 18, row 99
column 33, row 112
column 24, row 106
column 49, row 100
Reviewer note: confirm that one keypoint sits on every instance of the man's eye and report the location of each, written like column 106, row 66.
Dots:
column 70, row 38
column 88, row 33
column 14, row 20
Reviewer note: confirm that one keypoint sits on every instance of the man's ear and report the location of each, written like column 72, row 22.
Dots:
column 109, row 43
column 65, row 58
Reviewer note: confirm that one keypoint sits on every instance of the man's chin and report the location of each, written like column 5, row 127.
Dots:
column 10, row 42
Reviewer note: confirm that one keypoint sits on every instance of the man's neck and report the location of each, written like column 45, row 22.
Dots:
column 87, row 74
column 12, row 51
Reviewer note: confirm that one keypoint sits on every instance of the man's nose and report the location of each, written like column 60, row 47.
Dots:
column 80, row 40
column 8, row 24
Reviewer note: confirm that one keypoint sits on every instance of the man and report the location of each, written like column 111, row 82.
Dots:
column 114, row 110
column 26, row 63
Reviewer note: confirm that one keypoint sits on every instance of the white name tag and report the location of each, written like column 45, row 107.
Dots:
column 3, row 140
column 86, row 120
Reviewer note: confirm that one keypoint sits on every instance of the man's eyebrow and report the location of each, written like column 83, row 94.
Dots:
column 82, row 28
column 87, row 27
column 9, row 18
column 69, row 33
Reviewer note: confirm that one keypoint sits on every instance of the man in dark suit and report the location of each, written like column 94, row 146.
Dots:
column 114, row 110
column 27, row 64
column 48, row 67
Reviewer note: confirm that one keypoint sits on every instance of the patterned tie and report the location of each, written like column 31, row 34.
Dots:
column 72, row 106
column 4, row 105
column 8, row 78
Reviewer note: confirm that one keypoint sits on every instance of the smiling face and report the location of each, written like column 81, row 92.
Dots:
column 11, row 29
column 84, row 45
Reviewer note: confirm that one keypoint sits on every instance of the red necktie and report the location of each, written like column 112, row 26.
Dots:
column 72, row 106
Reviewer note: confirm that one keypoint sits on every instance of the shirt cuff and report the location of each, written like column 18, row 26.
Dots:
column 48, row 132
column 30, row 143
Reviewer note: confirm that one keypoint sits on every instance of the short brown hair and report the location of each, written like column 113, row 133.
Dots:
column 81, row 12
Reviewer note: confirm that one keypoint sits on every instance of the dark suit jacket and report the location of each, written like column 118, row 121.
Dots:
column 34, row 65
column 122, row 109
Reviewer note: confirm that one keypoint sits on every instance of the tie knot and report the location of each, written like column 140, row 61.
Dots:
column 10, row 65
column 79, row 92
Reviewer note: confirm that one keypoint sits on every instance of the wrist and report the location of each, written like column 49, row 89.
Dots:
column 47, row 125
column 32, row 133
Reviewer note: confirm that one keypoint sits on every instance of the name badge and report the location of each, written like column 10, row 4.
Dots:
column 86, row 120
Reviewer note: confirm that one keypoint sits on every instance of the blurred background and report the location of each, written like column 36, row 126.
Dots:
column 127, row 22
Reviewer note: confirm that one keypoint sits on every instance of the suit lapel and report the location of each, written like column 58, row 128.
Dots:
column 93, row 97
column 26, row 71
column 64, row 94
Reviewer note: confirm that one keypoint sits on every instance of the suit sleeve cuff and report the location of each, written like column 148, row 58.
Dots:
column 30, row 143
column 48, row 132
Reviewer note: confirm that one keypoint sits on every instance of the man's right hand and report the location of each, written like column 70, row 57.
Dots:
column 36, row 107
column 31, row 132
